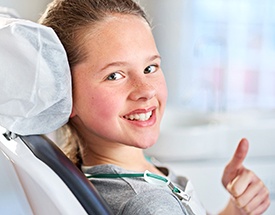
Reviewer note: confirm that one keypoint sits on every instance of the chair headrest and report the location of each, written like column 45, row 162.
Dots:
column 35, row 92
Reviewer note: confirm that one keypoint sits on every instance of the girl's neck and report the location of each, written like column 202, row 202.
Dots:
column 126, row 157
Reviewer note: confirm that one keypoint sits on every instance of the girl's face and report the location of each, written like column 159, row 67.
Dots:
column 119, row 89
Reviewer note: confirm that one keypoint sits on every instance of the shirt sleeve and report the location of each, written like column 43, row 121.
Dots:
column 153, row 202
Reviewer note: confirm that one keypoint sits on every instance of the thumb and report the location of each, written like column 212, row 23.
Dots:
column 235, row 165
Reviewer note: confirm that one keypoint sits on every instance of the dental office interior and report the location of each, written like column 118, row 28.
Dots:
column 218, row 60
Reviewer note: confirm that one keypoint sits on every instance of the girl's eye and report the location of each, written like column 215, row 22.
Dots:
column 114, row 76
column 150, row 69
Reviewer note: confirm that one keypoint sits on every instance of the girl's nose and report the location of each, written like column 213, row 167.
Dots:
column 142, row 91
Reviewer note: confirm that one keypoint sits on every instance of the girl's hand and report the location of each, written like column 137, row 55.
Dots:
column 249, row 194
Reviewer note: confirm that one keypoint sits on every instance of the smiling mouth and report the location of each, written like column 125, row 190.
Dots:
column 139, row 117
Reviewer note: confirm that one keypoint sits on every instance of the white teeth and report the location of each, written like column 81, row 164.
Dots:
column 131, row 117
column 137, row 117
column 140, row 117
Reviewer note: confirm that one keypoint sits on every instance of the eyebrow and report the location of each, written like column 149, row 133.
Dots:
column 121, row 63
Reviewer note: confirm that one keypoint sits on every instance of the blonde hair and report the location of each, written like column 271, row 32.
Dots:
column 70, row 19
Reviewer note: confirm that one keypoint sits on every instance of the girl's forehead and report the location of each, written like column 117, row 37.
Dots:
column 118, row 32
column 108, row 30
column 126, row 39
column 116, row 23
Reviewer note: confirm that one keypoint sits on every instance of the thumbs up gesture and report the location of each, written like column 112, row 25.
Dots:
column 248, row 192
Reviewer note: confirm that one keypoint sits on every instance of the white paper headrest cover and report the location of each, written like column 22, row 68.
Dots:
column 35, row 81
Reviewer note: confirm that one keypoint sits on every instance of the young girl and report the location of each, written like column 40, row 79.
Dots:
column 119, row 95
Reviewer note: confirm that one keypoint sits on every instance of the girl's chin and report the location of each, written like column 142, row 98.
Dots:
column 146, row 144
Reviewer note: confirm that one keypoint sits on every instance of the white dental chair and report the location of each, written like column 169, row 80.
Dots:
column 35, row 99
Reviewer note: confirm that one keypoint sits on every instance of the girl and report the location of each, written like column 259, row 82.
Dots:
column 119, row 95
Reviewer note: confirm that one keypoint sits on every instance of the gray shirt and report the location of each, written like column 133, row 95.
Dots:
column 135, row 196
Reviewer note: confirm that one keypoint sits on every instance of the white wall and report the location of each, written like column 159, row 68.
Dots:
column 27, row 9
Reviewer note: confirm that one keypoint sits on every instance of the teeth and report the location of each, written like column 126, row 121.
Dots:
column 140, row 117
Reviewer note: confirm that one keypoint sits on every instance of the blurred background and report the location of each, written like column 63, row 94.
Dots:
column 218, row 55
column 27, row 9
column 218, row 59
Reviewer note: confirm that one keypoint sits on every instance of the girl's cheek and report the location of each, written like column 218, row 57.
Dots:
column 103, row 105
column 162, row 89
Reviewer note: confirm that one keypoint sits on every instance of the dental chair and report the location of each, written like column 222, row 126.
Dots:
column 35, row 99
